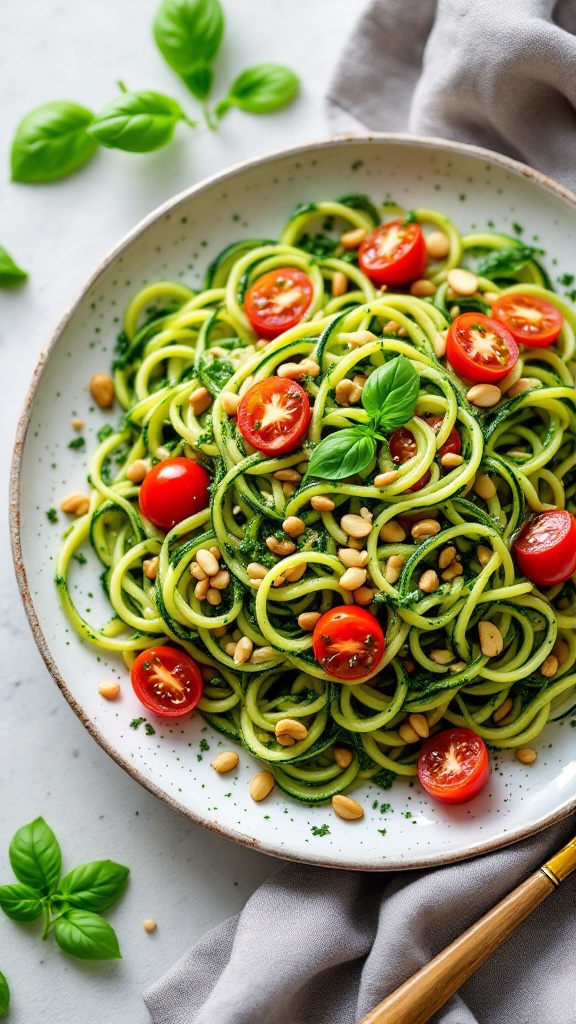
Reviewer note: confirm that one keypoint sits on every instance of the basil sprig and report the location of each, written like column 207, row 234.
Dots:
column 51, row 142
column 71, row 905
column 10, row 272
column 137, row 122
column 260, row 89
column 389, row 397
column 4, row 995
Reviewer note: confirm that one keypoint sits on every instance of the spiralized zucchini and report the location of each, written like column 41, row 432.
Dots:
column 176, row 341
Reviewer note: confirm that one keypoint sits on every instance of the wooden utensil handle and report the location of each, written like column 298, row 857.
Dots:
column 420, row 996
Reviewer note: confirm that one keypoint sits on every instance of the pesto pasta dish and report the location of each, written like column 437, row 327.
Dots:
column 338, row 515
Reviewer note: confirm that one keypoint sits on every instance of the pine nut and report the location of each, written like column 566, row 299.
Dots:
column 225, row 761
column 446, row 556
column 462, row 282
column 437, row 245
column 455, row 310
column 511, row 378
column 254, row 583
column 484, row 395
column 425, row 528
column 163, row 453
column 439, row 344
column 392, row 533
column 149, row 925
column 343, row 756
column 351, row 239
column 218, row 631
column 355, row 526
column 199, row 401
column 360, row 379
column 294, row 574
column 339, row 284
column 448, row 575
column 456, row 567
column 353, row 578
column 429, row 581
column 307, row 620
column 201, row 589
column 282, row 548
column 207, row 562
column 394, row 566
column 408, row 733
column 261, row 655
column 293, row 526
column 288, row 490
column 291, row 727
column 230, row 648
column 491, row 640
column 256, row 570
column 522, row 386
column 286, row 741
column 503, row 710
column 420, row 725
column 484, row 486
column 320, row 503
column 441, row 656
column 76, row 503
column 245, row 386
column 221, row 580
column 422, row 288
column 451, row 459
column 363, row 596
column 356, row 544
column 197, row 572
column 213, row 596
column 347, row 392
column 347, row 808
column 484, row 555
column 230, row 402
column 385, row 479
column 109, row 691
column 561, row 650
column 357, row 338
column 291, row 476
column 295, row 371
column 526, row 755
column 549, row 667
column 244, row 649
column 216, row 552
column 490, row 297
column 261, row 785
column 391, row 327
column 458, row 666
column 102, row 390
column 150, row 567
column 352, row 558
column 137, row 470
column 76, row 423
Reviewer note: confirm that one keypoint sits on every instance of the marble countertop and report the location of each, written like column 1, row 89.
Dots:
column 185, row 878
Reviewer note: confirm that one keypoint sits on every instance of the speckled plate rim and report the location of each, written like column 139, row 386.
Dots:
column 560, row 812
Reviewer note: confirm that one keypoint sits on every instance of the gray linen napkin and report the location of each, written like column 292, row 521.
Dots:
column 314, row 946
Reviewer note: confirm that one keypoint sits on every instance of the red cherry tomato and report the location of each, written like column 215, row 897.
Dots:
column 166, row 681
column 530, row 320
column 403, row 448
column 348, row 642
column 453, row 765
column 173, row 490
column 274, row 414
column 453, row 444
column 395, row 253
column 480, row 349
column 278, row 300
column 545, row 550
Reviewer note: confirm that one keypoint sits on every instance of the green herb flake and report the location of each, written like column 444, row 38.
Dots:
column 80, row 558
column 52, row 515
column 136, row 722
column 77, row 443
column 204, row 745
column 105, row 432
column 323, row 830
column 382, row 831
column 149, row 729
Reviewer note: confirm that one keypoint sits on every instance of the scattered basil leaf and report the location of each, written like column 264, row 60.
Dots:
column 51, row 142
column 4, row 995
column 94, row 886
column 188, row 34
column 391, row 392
column 35, row 856
column 504, row 262
column 137, row 122
column 21, row 902
column 342, row 454
column 261, row 89
column 86, row 935
column 10, row 272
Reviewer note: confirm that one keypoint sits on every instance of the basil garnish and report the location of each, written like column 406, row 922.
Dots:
column 261, row 89
column 51, row 142
column 188, row 34
column 504, row 262
column 343, row 453
column 137, row 122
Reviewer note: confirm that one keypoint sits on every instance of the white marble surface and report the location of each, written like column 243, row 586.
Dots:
column 186, row 878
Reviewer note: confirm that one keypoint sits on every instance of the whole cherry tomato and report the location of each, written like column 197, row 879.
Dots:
column 348, row 642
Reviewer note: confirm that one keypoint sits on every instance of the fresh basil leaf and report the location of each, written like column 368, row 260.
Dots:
column 10, row 272
column 4, row 995
column 51, row 142
column 95, row 886
column 188, row 34
column 137, row 122
column 21, row 902
column 261, row 89
column 391, row 392
column 504, row 262
column 342, row 454
column 87, row 936
column 35, row 856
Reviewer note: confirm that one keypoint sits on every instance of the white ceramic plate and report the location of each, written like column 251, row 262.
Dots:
column 401, row 828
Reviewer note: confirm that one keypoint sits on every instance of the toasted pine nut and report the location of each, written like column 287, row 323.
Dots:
column 307, row 620
column 137, row 470
column 343, row 756
column 439, row 344
column 102, row 390
column 199, row 401
column 484, row 554
column 455, row 567
column 357, row 338
column 207, row 562
column 429, row 581
column 490, row 297
column 76, row 423
column 366, row 514
column 526, row 755
column 150, row 567
column 392, row 532
column 261, row 654
column 458, row 666
column 484, row 395
column 295, row 573
column 197, row 572
column 216, row 552
column 254, row 583
column 351, row 239
column 218, row 631
column 230, row 402
column 230, row 648
column 221, row 579
column 352, row 558
column 339, row 283
column 295, row 371
column 149, row 925
column 353, row 542
column 523, row 385
column 201, row 589
column 391, row 327
column 549, row 667
column 455, row 310
column 109, row 691
column 288, row 490
column 408, row 733
column 422, row 287
column 256, row 570
column 446, row 556
column 451, row 459
column 561, row 650
column 261, row 785
column 353, row 578
column 293, row 526
column 245, row 386
column 420, row 725
column 503, row 710
column 225, row 761
column 385, row 479
column 441, row 656
column 244, row 649
column 425, row 528
column 491, row 640
column 355, row 526
column 286, row 741
column 291, row 727
column 76, row 503
column 279, row 547
column 347, row 392
column 213, row 596
column 360, row 378
column 363, row 596
column 484, row 486
column 394, row 566
column 347, row 808
column 462, row 282
column 320, row 503
column 291, row 476
column 437, row 245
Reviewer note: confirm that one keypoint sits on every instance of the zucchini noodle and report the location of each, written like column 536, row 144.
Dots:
column 176, row 341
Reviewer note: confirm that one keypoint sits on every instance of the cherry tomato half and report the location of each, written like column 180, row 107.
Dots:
column 173, row 490
column 453, row 765
column 453, row 444
column 480, row 349
column 274, row 414
column 545, row 549
column 278, row 300
column 395, row 253
column 166, row 681
column 403, row 448
column 348, row 642
column 530, row 320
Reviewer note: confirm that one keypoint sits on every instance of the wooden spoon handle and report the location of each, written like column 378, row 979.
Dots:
column 420, row 996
